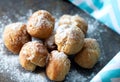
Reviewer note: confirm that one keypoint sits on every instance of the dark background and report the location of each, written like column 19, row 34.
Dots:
column 109, row 41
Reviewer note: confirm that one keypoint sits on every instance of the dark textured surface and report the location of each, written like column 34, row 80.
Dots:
column 109, row 41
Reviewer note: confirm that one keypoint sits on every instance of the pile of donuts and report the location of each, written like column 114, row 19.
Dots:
column 52, row 47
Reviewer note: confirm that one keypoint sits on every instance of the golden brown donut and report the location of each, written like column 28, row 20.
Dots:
column 69, row 39
column 25, row 63
column 58, row 66
column 15, row 36
column 35, row 53
column 41, row 24
column 76, row 20
column 89, row 55
column 50, row 42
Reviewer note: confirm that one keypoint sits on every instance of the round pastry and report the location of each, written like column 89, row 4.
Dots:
column 69, row 39
column 50, row 42
column 89, row 55
column 15, row 36
column 34, row 53
column 41, row 24
column 76, row 20
column 25, row 62
column 58, row 66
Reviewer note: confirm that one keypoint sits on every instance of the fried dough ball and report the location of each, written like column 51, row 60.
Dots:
column 69, row 39
column 50, row 42
column 15, row 36
column 89, row 55
column 41, row 24
column 58, row 66
column 76, row 20
column 33, row 54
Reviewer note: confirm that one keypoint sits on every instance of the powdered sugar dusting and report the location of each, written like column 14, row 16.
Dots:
column 31, row 57
column 24, row 18
column 17, row 33
column 44, row 21
column 77, row 77
column 9, row 63
column 15, row 26
column 58, row 55
column 37, row 20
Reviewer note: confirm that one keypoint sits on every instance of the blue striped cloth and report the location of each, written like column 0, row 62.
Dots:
column 111, row 72
column 106, row 11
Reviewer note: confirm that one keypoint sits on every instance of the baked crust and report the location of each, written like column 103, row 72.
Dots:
column 41, row 24
column 34, row 53
column 15, row 36
column 89, row 54
column 69, row 39
column 50, row 42
column 58, row 66
column 76, row 20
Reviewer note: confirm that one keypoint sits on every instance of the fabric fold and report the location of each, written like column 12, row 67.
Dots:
column 106, row 11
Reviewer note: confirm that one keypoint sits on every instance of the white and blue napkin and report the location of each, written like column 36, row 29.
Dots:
column 108, row 12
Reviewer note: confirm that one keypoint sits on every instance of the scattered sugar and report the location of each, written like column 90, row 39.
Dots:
column 75, row 76
column 92, row 26
column 24, row 18
column 9, row 63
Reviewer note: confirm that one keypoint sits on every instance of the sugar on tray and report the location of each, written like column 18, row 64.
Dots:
column 9, row 63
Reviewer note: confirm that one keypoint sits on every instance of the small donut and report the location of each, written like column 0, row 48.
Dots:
column 76, row 20
column 89, row 54
column 15, row 36
column 69, row 39
column 50, row 42
column 41, row 24
column 58, row 66
column 25, row 62
column 35, row 53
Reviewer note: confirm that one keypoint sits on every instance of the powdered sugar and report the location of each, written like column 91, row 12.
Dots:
column 31, row 57
column 24, row 18
column 58, row 55
column 77, row 77
column 15, row 26
column 16, row 33
column 43, row 21
column 9, row 63
column 38, row 20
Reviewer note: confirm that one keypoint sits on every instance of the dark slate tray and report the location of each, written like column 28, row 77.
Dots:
column 20, row 10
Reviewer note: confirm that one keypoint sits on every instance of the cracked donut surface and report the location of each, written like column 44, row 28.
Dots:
column 76, row 20
column 89, row 54
column 69, row 39
column 15, row 36
column 33, row 54
column 41, row 24
column 58, row 66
